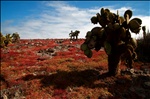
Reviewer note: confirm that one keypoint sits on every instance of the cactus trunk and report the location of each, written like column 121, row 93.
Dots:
column 113, row 64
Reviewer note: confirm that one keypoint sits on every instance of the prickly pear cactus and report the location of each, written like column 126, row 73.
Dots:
column 5, row 40
column 8, row 39
column 2, row 40
column 15, row 37
column 114, row 35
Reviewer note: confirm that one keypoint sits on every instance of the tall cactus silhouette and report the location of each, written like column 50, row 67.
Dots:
column 144, row 32
column 114, row 35
column 74, row 35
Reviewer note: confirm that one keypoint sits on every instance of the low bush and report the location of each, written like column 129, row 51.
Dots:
column 143, row 49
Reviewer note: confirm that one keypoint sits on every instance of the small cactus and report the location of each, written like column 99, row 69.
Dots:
column 8, row 39
column 5, row 40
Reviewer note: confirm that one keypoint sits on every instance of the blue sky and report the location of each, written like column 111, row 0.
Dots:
column 55, row 19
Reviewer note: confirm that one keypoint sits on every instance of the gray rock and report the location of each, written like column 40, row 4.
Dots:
column 146, row 85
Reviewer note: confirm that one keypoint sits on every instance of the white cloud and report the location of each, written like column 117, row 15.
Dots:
column 57, row 23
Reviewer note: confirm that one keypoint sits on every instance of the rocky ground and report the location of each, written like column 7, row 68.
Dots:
column 59, row 70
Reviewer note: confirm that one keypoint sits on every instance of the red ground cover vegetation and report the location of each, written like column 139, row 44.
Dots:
column 58, row 69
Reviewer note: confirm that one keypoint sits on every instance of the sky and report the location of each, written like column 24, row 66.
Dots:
column 56, row 19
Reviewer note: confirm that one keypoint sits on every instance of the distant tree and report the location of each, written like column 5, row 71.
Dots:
column 143, row 49
column 74, row 35
column 15, row 37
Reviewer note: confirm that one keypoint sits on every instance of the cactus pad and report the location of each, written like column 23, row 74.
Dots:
column 133, row 24
column 84, row 47
column 129, row 12
column 94, row 20
column 88, row 53
column 138, row 20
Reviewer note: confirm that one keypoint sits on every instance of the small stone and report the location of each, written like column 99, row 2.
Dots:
column 146, row 71
column 132, row 71
column 120, row 81
column 5, row 96
column 146, row 85
column 50, row 50
column 54, row 54
column 69, row 89
column 138, row 72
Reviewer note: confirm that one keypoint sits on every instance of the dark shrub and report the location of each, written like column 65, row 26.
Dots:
column 143, row 49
